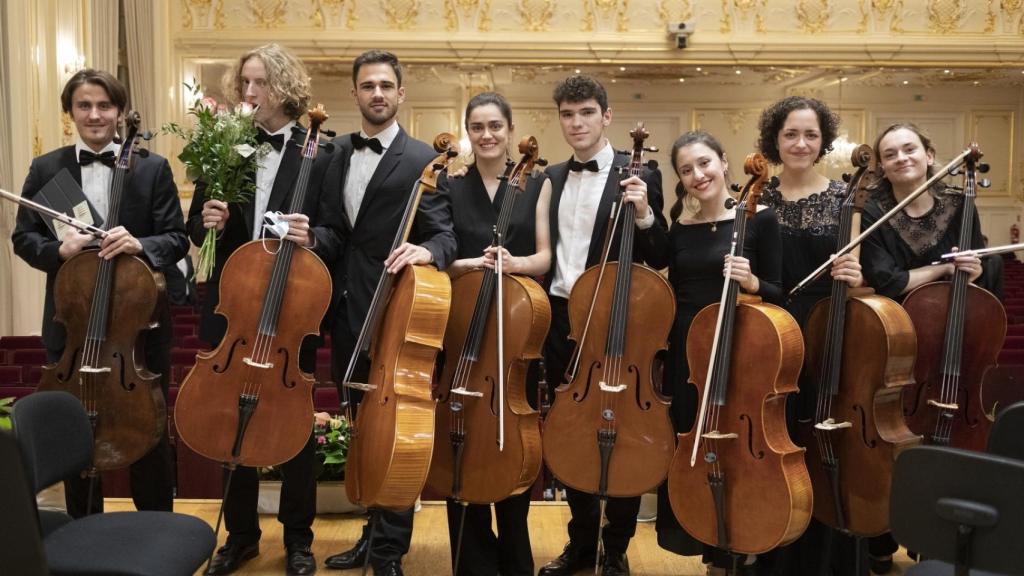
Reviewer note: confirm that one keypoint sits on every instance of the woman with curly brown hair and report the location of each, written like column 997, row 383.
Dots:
column 796, row 133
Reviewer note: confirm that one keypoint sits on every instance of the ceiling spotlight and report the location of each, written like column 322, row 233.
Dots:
column 739, row 71
column 945, row 71
column 698, row 68
column 682, row 79
column 843, row 79
column 577, row 70
column 976, row 83
column 622, row 68
column 905, row 82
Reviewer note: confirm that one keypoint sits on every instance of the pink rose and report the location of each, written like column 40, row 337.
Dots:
column 207, row 103
column 244, row 108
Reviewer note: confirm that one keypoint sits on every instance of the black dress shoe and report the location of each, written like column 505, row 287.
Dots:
column 300, row 561
column 231, row 557
column 571, row 560
column 615, row 565
column 393, row 568
column 355, row 557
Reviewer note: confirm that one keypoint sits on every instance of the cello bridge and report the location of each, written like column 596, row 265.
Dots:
column 716, row 435
column 943, row 406
column 830, row 424
column 608, row 388
column 361, row 386
column 94, row 370
column 463, row 391
column 254, row 364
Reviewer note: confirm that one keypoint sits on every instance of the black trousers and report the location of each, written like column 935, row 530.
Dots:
column 620, row 512
column 484, row 553
column 297, row 507
column 152, row 476
column 392, row 531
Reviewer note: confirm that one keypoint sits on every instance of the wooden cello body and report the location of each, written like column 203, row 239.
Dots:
column 247, row 401
column 392, row 433
column 389, row 458
column 643, row 444
column 608, row 432
column 489, row 474
column 960, row 331
column 106, row 307
column 736, row 480
column 487, row 439
column 860, row 353
column 766, row 488
column 877, row 363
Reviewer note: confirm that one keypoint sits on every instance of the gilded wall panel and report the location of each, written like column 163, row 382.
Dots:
column 428, row 122
column 541, row 122
column 946, row 130
column 993, row 131
column 735, row 128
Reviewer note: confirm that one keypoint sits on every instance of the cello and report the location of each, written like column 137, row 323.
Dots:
column 608, row 432
column 392, row 434
column 860, row 351
column 751, row 491
column 106, row 307
column 956, row 348
column 247, row 401
column 483, row 390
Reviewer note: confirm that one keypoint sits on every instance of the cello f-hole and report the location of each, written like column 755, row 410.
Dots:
column 594, row 367
column 126, row 384
column 231, row 354
column 755, row 454
column 284, row 371
column 869, row 442
column 641, row 403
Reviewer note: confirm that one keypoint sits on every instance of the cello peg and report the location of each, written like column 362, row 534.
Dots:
column 983, row 167
column 729, row 203
column 650, row 148
column 846, row 177
column 652, row 164
column 541, row 162
column 985, row 183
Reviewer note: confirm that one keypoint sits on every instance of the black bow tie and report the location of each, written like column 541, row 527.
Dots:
column 577, row 166
column 277, row 140
column 86, row 157
column 358, row 142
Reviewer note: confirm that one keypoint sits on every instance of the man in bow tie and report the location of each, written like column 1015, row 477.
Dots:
column 582, row 193
column 276, row 84
column 150, row 227
column 376, row 169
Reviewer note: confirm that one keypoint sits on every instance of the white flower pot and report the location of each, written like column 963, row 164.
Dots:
column 330, row 498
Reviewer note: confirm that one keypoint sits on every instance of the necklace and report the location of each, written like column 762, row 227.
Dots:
column 714, row 223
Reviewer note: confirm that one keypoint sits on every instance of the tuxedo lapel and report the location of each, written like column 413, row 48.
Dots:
column 284, row 181
column 611, row 193
column 391, row 159
column 69, row 161
column 558, row 175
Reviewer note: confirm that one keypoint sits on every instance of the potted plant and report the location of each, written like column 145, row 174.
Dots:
column 331, row 435
column 5, row 413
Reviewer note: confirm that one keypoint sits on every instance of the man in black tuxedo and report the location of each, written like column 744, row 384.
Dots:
column 151, row 227
column 376, row 169
column 582, row 192
column 276, row 83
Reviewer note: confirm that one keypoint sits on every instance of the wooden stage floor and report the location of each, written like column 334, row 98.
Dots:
column 429, row 554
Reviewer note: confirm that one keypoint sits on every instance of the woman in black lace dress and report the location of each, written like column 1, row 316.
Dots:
column 796, row 132
column 699, row 241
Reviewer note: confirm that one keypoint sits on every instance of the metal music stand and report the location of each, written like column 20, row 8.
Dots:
column 961, row 508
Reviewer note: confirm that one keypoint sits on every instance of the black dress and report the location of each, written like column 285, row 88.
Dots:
column 905, row 242
column 695, row 262
column 474, row 215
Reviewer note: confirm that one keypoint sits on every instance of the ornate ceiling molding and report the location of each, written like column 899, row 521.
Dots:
column 805, row 32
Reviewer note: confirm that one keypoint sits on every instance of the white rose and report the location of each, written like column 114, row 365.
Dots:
column 244, row 108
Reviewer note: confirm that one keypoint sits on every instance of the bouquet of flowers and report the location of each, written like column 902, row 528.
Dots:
column 331, row 435
column 222, row 152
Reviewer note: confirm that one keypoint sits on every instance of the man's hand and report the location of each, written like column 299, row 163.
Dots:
column 407, row 254
column 215, row 214
column 72, row 243
column 298, row 229
column 119, row 241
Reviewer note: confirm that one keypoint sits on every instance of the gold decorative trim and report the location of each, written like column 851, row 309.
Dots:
column 812, row 15
column 681, row 14
column 944, row 15
column 268, row 17
column 401, row 14
column 536, row 14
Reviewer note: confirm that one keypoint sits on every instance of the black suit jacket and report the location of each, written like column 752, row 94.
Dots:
column 366, row 244
column 239, row 228
column 150, row 211
column 649, row 245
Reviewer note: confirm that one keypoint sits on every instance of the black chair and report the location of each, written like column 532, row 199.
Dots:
column 55, row 439
column 1007, row 435
column 961, row 508
column 20, row 546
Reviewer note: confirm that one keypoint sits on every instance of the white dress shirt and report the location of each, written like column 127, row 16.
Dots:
column 266, row 172
column 96, row 179
column 577, row 215
column 361, row 167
